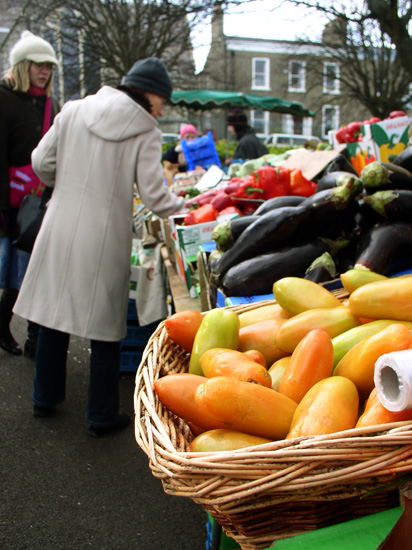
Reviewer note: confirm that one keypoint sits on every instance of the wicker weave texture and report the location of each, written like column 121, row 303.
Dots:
column 271, row 491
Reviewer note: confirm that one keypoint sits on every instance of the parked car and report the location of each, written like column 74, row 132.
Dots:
column 170, row 139
column 262, row 137
column 292, row 140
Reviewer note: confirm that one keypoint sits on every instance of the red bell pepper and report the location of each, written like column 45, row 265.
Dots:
column 349, row 133
column 233, row 185
column 395, row 114
column 342, row 135
column 205, row 213
column 249, row 189
column 271, row 179
column 230, row 210
column 299, row 185
column 248, row 207
column 203, row 198
column 372, row 120
column 222, row 200
column 354, row 129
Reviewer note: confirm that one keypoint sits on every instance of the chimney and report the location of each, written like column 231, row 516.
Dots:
column 217, row 23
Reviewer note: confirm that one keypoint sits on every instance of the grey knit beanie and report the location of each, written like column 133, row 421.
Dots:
column 32, row 48
column 150, row 75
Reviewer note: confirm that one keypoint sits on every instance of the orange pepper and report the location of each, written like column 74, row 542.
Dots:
column 311, row 361
column 233, row 363
column 299, row 185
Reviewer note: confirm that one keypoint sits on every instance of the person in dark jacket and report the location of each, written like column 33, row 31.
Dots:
column 249, row 146
column 26, row 111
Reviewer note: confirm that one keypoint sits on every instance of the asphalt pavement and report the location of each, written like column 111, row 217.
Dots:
column 64, row 490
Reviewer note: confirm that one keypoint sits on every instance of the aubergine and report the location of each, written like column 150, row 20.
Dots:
column 226, row 233
column 336, row 179
column 270, row 231
column 255, row 276
column 380, row 176
column 331, row 211
column 355, row 186
column 345, row 257
column 278, row 202
column 213, row 258
column 322, row 269
column 340, row 164
column 394, row 205
column 386, row 248
column 404, row 159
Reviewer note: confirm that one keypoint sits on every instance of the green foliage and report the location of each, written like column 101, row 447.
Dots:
column 166, row 147
column 221, row 148
column 276, row 150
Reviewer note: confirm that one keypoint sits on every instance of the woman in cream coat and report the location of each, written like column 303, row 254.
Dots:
column 77, row 281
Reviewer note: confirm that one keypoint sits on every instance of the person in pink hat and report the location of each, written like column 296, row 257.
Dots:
column 174, row 160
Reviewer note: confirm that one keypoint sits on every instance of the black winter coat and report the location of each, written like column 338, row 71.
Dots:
column 249, row 146
column 21, row 127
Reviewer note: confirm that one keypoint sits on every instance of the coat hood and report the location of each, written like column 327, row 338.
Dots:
column 113, row 115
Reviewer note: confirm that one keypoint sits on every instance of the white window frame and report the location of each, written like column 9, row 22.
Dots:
column 288, row 125
column 301, row 87
column 325, row 134
column 265, row 120
column 266, row 85
column 336, row 82
column 307, row 126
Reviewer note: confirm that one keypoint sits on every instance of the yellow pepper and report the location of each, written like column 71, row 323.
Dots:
column 391, row 149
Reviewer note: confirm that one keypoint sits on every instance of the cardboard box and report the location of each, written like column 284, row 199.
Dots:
column 154, row 227
column 312, row 163
column 186, row 241
column 191, row 236
column 168, row 239
column 381, row 141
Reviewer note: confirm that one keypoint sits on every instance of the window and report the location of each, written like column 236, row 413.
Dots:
column 260, row 73
column 296, row 125
column 260, row 121
column 297, row 76
column 330, row 119
column 331, row 78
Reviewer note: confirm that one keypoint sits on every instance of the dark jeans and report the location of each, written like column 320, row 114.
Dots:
column 49, row 387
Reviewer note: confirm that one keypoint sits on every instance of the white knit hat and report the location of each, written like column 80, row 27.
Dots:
column 33, row 48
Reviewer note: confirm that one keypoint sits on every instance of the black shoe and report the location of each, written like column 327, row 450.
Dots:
column 30, row 348
column 103, row 431
column 41, row 412
column 9, row 344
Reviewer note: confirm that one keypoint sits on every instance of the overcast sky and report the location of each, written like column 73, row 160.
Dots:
column 260, row 20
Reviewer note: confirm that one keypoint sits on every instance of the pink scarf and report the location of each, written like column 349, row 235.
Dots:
column 33, row 91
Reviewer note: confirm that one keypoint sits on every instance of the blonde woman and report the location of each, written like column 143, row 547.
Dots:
column 26, row 112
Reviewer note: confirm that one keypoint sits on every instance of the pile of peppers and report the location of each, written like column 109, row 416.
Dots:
column 352, row 131
column 236, row 198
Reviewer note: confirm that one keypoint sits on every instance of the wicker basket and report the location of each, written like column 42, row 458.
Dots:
column 276, row 490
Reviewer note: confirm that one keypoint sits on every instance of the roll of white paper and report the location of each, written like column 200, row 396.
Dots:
column 393, row 380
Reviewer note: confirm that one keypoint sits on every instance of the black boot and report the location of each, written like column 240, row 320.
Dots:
column 7, row 301
column 31, row 341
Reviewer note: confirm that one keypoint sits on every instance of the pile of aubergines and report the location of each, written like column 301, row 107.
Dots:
column 350, row 221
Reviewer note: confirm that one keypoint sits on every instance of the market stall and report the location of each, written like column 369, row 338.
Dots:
column 271, row 408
